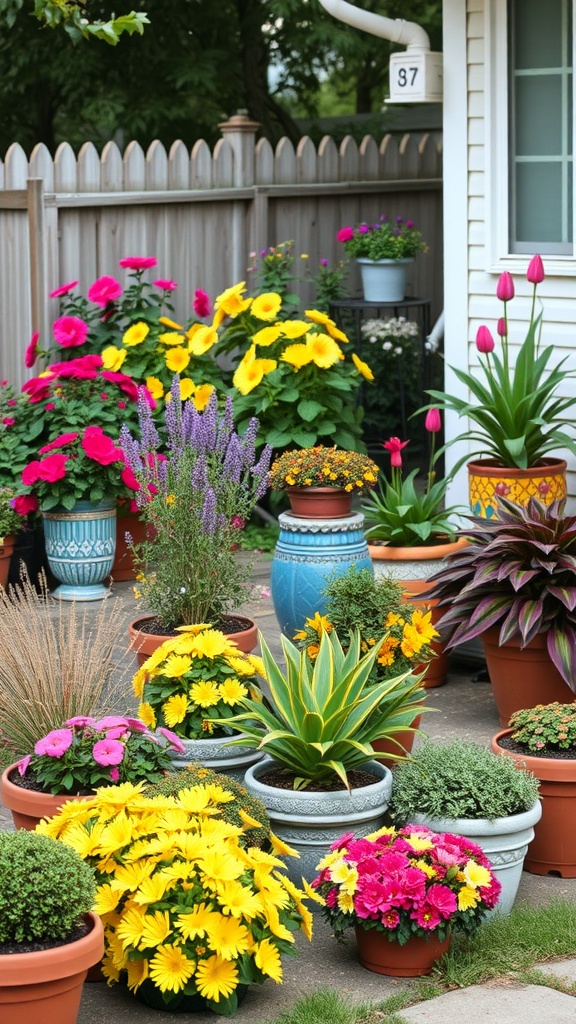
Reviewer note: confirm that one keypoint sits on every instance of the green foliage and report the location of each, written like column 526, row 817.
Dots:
column 383, row 240
column 258, row 536
column 72, row 16
column 11, row 523
column 322, row 718
column 18, row 433
column 546, row 727
column 460, row 780
column 45, row 888
column 243, row 803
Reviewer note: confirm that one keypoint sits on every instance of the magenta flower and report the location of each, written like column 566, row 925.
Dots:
column 535, row 273
column 31, row 352
column 502, row 328
column 202, row 303
column 23, row 765
column 484, row 340
column 165, row 284
column 173, row 740
column 505, row 287
column 56, row 743
column 443, row 899
column 345, row 234
column 433, row 421
column 105, row 290
column 117, row 733
column 70, row 331
column 114, row 774
column 128, row 478
column 394, row 445
column 59, row 442
column 426, row 917
column 108, row 751
column 63, row 290
column 137, row 262
column 53, row 468
column 99, row 447
column 80, row 721
column 8, row 421
column 25, row 503
column 110, row 722
column 136, row 725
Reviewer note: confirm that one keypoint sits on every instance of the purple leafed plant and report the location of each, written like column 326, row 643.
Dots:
column 518, row 572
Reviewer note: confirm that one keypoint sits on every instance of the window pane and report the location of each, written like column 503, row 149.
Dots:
column 538, row 34
column 539, row 115
column 538, row 202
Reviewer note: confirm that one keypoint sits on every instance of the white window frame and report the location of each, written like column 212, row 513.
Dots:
column 497, row 178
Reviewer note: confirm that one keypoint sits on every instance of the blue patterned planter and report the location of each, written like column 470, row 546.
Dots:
column 307, row 552
column 80, row 547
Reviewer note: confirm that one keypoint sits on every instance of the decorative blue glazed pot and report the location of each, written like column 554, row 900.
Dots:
column 80, row 546
column 307, row 552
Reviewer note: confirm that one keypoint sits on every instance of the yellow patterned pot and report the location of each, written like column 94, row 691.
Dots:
column 487, row 481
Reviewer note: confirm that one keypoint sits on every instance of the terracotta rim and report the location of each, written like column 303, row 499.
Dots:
column 383, row 552
column 30, row 802
column 548, row 769
column 491, row 467
column 58, row 962
column 139, row 638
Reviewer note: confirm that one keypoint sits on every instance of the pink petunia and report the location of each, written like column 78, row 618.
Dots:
column 99, row 447
column 37, row 389
column 105, row 290
column 31, row 473
column 55, row 744
column 91, row 361
column 117, row 733
column 136, row 725
column 202, row 303
column 70, row 331
column 108, row 751
column 31, row 353
column 80, row 721
column 23, row 765
column 174, row 741
column 114, row 774
column 24, row 503
column 58, row 442
column 138, row 262
column 165, row 284
column 126, row 383
column 63, row 290
column 110, row 722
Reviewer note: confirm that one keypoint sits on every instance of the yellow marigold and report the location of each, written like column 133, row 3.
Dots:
column 177, row 359
column 174, row 709
column 112, row 358
column 422, row 623
column 202, row 396
column 467, row 897
column 266, row 306
column 362, row 367
column 386, row 654
column 324, row 350
column 146, row 714
column 135, row 334
column 412, row 638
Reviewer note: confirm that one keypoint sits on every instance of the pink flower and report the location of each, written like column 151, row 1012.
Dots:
column 118, row 733
column 53, row 468
column 505, row 287
column 535, row 272
column 502, row 327
column 484, row 340
column 99, row 447
column 49, row 406
column 70, row 331
column 173, row 740
column 31, row 352
column 138, row 262
column 110, row 722
column 119, row 405
column 59, row 442
column 426, row 917
column 72, row 366
column 165, row 284
column 433, row 421
column 8, row 421
column 24, row 503
column 37, row 389
column 114, row 774
column 23, row 765
column 126, row 383
column 390, row 919
column 136, row 725
column 108, row 751
column 80, row 721
column 394, row 445
column 345, row 234
column 30, row 473
column 55, row 744
column 129, row 480
column 147, row 396
column 63, row 290
column 104, row 291
column 443, row 899
column 238, row 523
column 201, row 303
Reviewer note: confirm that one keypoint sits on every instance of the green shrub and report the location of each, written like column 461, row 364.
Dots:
column 45, row 888
column 460, row 780
column 196, row 774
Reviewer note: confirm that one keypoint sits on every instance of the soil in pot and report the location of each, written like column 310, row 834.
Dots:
column 148, row 633
column 283, row 778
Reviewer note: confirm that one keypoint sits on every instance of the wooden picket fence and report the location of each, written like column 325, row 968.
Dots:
column 201, row 213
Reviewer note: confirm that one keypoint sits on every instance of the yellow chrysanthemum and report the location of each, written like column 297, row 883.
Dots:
column 267, row 336
column 250, row 371
column 177, row 359
column 422, row 623
column 171, row 338
column 362, row 367
column 138, row 682
column 135, row 334
column 228, row 937
column 467, row 898
column 232, row 690
column 176, row 666
column 241, row 664
column 147, row 715
column 298, row 355
column 112, row 358
column 216, row 977
column 205, row 693
column 85, row 842
column 412, row 641
column 137, row 972
column 156, row 929
column 197, row 923
column 152, row 890
column 386, row 654
column 221, row 866
column 202, row 395
column 324, row 350
column 476, row 875
column 117, row 834
column 128, row 877
column 203, row 340
column 345, row 875
column 266, row 306
column 237, row 900
column 267, row 958
column 294, row 328
column 174, row 709
column 170, row 968
column 280, row 847
column 209, row 643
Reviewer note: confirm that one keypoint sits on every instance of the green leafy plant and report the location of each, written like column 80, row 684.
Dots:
column 516, row 413
column 328, row 283
column 18, row 440
column 45, row 888
column 323, row 716
column 324, row 467
column 401, row 514
column 274, row 270
column 459, row 780
column 517, row 573
column 385, row 240
column 546, row 727
column 11, row 522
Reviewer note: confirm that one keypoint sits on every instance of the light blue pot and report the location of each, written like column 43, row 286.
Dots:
column 384, row 280
column 80, row 547
column 307, row 552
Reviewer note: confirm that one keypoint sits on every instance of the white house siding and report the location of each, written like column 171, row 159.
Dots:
column 475, row 232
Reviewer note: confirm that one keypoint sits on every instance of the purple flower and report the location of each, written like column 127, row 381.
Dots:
column 323, row 263
column 363, row 229
column 209, row 519
column 108, row 751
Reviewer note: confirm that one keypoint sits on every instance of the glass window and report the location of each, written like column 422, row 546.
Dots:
column 541, row 166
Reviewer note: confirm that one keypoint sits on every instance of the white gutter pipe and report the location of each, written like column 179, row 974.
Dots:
column 406, row 33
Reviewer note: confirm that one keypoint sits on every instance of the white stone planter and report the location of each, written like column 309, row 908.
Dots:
column 384, row 280
column 310, row 822
column 504, row 841
column 218, row 755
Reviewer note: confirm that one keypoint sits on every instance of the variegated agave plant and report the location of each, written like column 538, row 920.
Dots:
column 518, row 572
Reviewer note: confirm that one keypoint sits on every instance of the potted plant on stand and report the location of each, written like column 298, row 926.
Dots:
column 410, row 531
column 195, row 492
column 49, row 935
column 384, row 251
column 405, row 891
column 462, row 788
column 513, row 586
column 193, row 684
column 517, row 416
column 317, row 728
column 542, row 739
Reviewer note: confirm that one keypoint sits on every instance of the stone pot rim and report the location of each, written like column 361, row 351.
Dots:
column 482, row 826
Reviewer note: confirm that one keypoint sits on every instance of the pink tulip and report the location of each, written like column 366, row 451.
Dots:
column 535, row 272
column 505, row 287
column 484, row 340
column 394, row 445
column 502, row 327
column 433, row 422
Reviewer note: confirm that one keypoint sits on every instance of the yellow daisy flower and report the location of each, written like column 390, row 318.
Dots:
column 267, row 958
column 177, row 359
column 171, row 338
column 298, row 355
column 324, row 350
column 228, row 937
column 232, row 691
column 266, row 306
column 267, row 336
column 174, row 709
column 176, row 666
column 112, row 358
column 202, row 341
column 216, row 977
column 362, row 367
column 147, row 715
column 170, row 968
column 135, row 334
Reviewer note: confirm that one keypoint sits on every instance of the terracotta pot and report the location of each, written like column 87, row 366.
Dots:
column 553, row 849
column 6, row 549
column 522, row 677
column 144, row 644
column 388, row 747
column 417, row 956
column 123, row 566
column 413, row 567
column 28, row 807
column 45, row 986
column 487, row 481
column 319, row 502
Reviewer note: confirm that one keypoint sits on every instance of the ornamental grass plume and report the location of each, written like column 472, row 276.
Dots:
column 189, row 907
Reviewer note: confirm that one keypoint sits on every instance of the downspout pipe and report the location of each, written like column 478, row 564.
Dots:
column 406, row 33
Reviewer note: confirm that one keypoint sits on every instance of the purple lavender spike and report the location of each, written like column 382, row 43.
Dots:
column 225, row 426
column 233, row 461
column 199, row 476
column 261, row 470
column 249, row 442
column 209, row 523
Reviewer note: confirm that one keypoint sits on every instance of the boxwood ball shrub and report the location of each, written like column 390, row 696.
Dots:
column 45, row 888
column 460, row 780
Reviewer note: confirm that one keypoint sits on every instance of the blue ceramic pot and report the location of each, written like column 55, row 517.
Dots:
column 80, row 547
column 307, row 552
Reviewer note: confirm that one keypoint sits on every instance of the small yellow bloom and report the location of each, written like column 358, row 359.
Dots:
column 266, row 306
column 250, row 371
column 362, row 367
column 177, row 359
column 166, row 322
column 155, row 387
column 202, row 396
column 146, row 714
column 267, row 336
column 135, row 334
column 324, row 350
column 112, row 358
column 187, row 388
column 171, row 338
column 203, row 340
column 298, row 355
column 174, row 709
